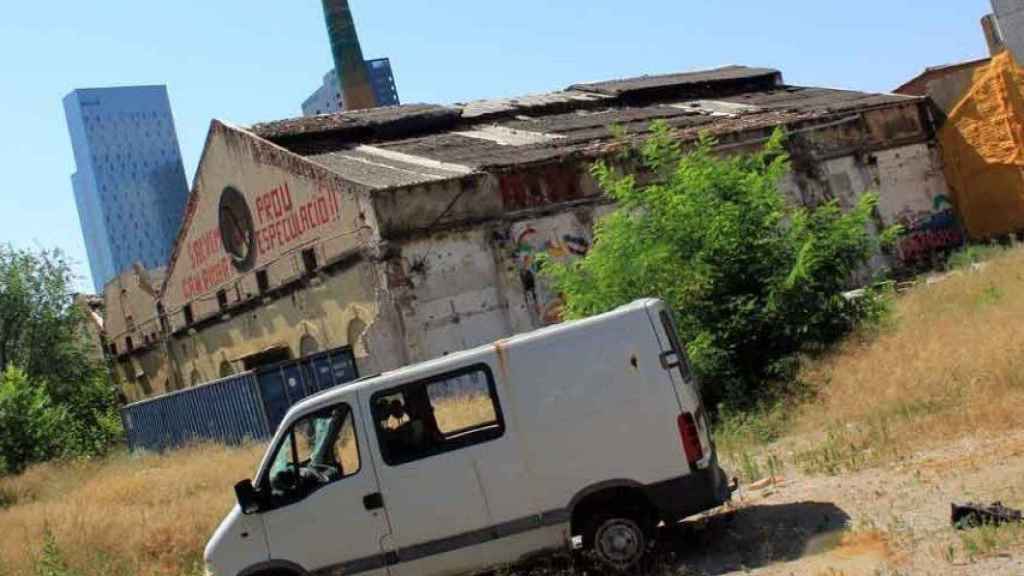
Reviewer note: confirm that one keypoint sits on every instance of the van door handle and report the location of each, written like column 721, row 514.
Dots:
column 669, row 360
column 373, row 501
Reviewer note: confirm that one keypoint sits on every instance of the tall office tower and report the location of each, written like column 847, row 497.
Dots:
column 130, row 185
column 1009, row 17
column 328, row 98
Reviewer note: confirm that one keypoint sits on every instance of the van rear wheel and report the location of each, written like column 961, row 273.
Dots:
column 617, row 541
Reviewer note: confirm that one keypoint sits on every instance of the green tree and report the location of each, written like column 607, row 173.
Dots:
column 29, row 420
column 751, row 278
column 39, row 323
column 56, row 397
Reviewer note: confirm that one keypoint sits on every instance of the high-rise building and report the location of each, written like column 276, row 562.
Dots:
column 328, row 99
column 130, row 185
column 1009, row 17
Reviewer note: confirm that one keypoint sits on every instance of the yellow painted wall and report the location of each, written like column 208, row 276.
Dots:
column 983, row 150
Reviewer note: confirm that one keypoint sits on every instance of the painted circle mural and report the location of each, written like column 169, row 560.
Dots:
column 236, row 229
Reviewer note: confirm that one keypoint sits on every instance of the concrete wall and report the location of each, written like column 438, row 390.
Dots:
column 329, row 312
column 412, row 274
column 1010, row 18
column 459, row 288
column 130, row 319
column 255, row 209
column 947, row 87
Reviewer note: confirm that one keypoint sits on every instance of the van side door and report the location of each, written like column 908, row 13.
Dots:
column 323, row 511
column 432, row 436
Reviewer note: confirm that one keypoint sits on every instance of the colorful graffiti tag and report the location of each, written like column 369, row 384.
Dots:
column 529, row 243
column 928, row 233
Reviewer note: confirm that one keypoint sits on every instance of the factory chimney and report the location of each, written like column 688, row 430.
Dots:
column 992, row 35
column 353, row 77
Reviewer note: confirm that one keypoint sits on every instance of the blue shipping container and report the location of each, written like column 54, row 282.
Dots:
column 247, row 406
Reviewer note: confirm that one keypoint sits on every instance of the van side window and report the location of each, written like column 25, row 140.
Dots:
column 319, row 449
column 443, row 413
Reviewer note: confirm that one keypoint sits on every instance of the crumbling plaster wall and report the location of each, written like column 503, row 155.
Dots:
column 331, row 310
column 470, row 281
column 461, row 284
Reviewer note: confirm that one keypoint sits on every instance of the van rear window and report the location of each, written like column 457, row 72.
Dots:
column 443, row 413
column 677, row 347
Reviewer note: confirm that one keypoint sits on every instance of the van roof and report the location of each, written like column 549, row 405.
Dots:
column 328, row 396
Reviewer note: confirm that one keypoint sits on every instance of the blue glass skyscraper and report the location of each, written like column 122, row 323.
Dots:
column 130, row 185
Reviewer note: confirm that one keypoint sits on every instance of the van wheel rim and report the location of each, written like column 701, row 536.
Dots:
column 619, row 542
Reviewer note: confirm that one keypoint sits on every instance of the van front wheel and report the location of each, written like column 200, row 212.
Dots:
column 617, row 540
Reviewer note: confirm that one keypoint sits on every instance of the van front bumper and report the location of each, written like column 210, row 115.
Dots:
column 699, row 491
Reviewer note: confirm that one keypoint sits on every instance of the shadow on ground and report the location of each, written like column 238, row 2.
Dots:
column 752, row 537
column 729, row 541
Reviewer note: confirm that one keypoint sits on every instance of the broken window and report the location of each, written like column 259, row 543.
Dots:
column 319, row 449
column 262, row 281
column 309, row 261
column 443, row 413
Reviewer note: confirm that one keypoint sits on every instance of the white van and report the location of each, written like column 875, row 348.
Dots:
column 592, row 429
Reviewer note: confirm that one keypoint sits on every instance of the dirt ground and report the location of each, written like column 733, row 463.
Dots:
column 879, row 521
column 887, row 521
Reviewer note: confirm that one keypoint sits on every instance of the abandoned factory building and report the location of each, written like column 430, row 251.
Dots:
column 410, row 232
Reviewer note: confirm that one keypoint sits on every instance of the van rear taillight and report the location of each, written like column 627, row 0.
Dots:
column 691, row 438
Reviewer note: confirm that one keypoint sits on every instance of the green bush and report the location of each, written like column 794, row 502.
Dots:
column 29, row 420
column 973, row 254
column 91, row 423
column 752, row 279
column 56, row 398
column 36, row 428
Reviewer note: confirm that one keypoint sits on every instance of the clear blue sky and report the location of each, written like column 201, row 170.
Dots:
column 253, row 60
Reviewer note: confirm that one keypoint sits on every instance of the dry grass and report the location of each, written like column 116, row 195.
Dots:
column 463, row 411
column 150, row 514
column 949, row 364
column 125, row 515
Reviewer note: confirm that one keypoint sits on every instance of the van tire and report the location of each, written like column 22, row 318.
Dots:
column 617, row 541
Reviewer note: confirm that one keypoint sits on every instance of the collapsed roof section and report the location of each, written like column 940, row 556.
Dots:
column 388, row 148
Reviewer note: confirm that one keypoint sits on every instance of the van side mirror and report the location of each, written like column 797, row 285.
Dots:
column 249, row 499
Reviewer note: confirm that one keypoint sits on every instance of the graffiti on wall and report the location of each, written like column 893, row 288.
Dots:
column 533, row 239
column 929, row 232
column 239, row 238
column 550, row 185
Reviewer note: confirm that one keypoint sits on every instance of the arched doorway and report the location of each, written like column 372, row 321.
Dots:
column 355, row 336
column 308, row 345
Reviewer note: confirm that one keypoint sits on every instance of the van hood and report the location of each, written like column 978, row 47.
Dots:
column 238, row 543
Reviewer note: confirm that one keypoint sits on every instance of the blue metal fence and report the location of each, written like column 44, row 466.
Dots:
column 248, row 406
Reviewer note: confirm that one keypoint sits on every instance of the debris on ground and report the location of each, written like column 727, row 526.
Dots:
column 972, row 515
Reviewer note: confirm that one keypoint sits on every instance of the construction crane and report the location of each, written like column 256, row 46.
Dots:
column 354, row 79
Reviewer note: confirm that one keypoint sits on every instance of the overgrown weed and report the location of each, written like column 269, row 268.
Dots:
column 949, row 366
column 985, row 541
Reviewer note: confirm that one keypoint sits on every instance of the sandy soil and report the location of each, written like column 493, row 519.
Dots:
column 888, row 521
column 884, row 521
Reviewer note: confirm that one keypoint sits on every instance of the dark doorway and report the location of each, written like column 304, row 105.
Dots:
column 266, row 358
